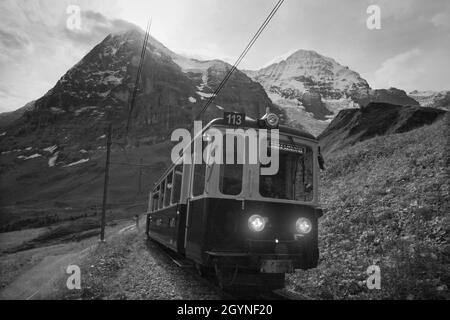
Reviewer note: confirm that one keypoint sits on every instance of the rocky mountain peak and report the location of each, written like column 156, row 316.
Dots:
column 313, row 88
column 172, row 89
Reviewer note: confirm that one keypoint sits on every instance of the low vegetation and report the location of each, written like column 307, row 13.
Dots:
column 387, row 204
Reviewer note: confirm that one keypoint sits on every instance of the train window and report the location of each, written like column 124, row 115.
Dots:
column 198, row 186
column 199, row 179
column 230, row 182
column 161, row 194
column 177, row 178
column 294, row 180
column 168, row 193
column 155, row 200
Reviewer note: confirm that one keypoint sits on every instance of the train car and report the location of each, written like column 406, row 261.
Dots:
column 236, row 222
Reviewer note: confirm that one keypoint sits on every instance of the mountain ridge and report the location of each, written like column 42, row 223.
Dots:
column 313, row 88
column 376, row 119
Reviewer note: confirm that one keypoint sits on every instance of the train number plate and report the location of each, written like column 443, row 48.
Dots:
column 276, row 266
column 234, row 118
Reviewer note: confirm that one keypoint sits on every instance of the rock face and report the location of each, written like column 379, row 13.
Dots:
column 376, row 119
column 440, row 99
column 308, row 71
column 312, row 89
column 96, row 91
column 391, row 95
column 6, row 118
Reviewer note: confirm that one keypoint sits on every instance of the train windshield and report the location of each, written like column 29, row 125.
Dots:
column 230, row 182
column 294, row 180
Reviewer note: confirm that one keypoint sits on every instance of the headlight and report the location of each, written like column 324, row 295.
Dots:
column 272, row 120
column 303, row 226
column 256, row 223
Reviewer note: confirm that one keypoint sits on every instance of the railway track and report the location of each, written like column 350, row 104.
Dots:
column 236, row 293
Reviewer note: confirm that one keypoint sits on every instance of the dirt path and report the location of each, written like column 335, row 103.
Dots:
column 38, row 282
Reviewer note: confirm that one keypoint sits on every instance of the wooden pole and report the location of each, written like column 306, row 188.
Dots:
column 140, row 177
column 105, row 186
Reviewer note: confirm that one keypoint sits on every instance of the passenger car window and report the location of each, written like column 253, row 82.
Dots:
column 198, row 186
column 155, row 200
column 161, row 194
column 177, row 178
column 168, row 193
column 199, row 179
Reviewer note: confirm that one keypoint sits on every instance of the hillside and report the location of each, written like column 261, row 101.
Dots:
column 439, row 99
column 6, row 118
column 386, row 202
column 376, row 119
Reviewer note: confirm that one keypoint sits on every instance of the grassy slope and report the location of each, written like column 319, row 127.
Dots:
column 387, row 203
column 34, row 195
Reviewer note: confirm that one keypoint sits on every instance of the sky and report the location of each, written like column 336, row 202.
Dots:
column 410, row 51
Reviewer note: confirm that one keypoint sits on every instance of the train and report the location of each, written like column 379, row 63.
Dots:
column 229, row 219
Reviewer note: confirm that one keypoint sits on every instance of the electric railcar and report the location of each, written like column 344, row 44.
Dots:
column 236, row 222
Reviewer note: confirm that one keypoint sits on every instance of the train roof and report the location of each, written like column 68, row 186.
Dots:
column 250, row 123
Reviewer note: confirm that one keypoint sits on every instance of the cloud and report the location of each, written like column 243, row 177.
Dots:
column 94, row 26
column 400, row 69
column 37, row 49
column 280, row 58
column 441, row 20
column 423, row 69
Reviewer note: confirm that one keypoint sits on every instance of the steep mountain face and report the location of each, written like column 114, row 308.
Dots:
column 376, row 119
column 313, row 89
column 434, row 99
column 54, row 152
column 391, row 95
column 6, row 118
column 308, row 71
column 96, row 91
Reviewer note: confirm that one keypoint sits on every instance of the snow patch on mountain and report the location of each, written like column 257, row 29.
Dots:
column 33, row 156
column 77, row 163
column 296, row 114
column 51, row 149
column 52, row 160
column 310, row 87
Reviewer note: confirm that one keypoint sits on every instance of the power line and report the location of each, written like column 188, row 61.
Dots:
column 243, row 54
column 138, row 75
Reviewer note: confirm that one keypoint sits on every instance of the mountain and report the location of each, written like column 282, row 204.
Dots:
column 434, row 99
column 96, row 91
column 312, row 89
column 6, row 118
column 53, row 154
column 391, row 95
column 376, row 119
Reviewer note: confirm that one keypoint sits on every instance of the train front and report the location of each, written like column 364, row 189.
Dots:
column 262, row 220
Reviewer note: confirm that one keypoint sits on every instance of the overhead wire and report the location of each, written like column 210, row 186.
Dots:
column 239, row 59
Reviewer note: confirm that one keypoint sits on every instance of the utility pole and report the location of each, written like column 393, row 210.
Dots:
column 105, row 186
column 140, row 177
